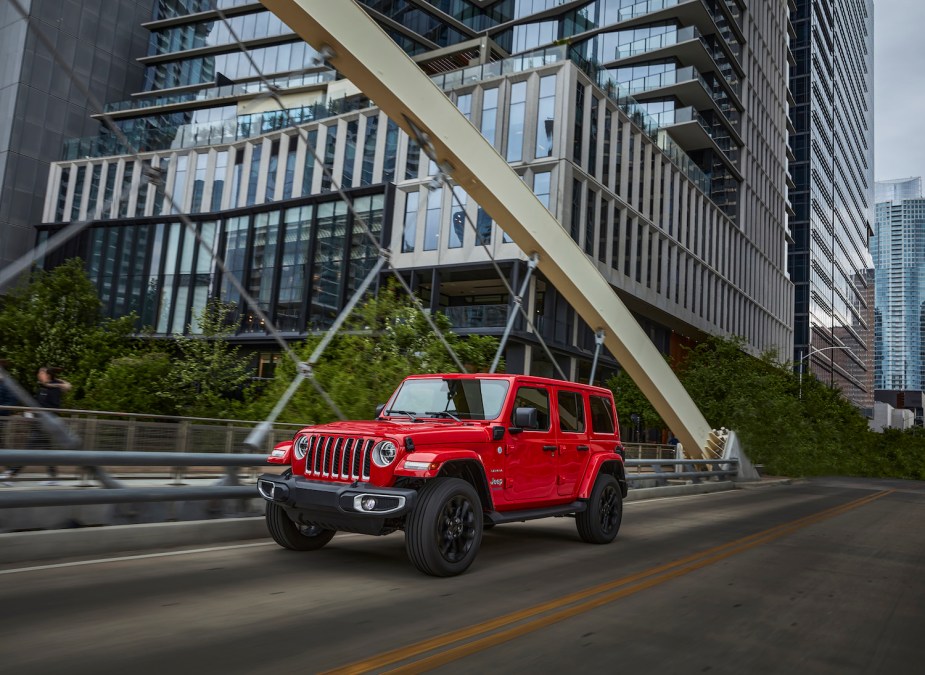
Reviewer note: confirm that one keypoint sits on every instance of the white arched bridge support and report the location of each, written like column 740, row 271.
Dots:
column 355, row 45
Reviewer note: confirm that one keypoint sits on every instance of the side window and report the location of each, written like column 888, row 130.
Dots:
column 601, row 415
column 531, row 397
column 571, row 412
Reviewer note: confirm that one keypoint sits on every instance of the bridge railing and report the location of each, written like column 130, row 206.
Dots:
column 229, row 487
column 133, row 432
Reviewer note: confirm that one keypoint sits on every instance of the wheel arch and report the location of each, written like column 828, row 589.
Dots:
column 473, row 473
column 607, row 464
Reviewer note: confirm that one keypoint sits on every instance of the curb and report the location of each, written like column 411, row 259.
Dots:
column 18, row 547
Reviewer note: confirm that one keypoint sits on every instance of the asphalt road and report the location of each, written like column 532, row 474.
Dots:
column 823, row 576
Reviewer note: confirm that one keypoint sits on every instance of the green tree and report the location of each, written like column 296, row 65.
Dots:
column 138, row 383
column 630, row 400
column 208, row 375
column 55, row 319
column 387, row 338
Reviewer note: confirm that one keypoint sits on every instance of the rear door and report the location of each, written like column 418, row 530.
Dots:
column 572, row 435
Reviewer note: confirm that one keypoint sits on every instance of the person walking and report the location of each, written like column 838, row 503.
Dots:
column 51, row 389
column 6, row 398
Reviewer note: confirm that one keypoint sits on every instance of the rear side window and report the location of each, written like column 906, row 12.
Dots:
column 532, row 397
column 601, row 415
column 571, row 412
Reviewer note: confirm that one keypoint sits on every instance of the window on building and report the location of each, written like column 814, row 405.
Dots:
column 515, row 128
column 458, row 218
column 432, row 219
column 410, row 231
column 489, row 114
column 545, row 116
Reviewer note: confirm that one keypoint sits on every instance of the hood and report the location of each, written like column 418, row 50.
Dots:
column 424, row 433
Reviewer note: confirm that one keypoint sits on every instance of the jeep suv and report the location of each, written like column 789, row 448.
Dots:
column 447, row 457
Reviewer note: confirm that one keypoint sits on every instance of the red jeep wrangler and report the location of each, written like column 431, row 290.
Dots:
column 445, row 458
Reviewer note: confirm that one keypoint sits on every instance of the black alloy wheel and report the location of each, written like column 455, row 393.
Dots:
column 600, row 522
column 444, row 530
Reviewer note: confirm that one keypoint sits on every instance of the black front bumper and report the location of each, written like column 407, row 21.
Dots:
column 338, row 506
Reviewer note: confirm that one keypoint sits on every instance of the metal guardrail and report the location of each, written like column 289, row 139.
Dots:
column 680, row 469
column 114, row 492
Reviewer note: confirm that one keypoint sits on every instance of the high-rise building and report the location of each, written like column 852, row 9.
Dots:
column 40, row 106
column 898, row 189
column 655, row 132
column 898, row 249
column 832, row 192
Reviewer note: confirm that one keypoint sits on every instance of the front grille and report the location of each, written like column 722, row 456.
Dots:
column 338, row 458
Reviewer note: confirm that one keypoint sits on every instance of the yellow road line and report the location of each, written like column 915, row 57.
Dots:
column 605, row 593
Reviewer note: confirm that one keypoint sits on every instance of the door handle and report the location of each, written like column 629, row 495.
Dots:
column 584, row 448
column 549, row 448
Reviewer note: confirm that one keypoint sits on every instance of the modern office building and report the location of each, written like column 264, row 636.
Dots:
column 656, row 133
column 898, row 249
column 40, row 106
column 832, row 194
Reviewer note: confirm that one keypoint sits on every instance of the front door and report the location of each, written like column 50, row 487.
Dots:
column 532, row 454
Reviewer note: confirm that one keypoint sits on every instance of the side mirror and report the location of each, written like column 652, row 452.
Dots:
column 379, row 409
column 525, row 418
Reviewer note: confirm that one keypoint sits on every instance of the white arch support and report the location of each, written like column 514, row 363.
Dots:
column 361, row 51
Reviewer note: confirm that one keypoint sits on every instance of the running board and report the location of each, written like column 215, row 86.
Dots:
column 497, row 518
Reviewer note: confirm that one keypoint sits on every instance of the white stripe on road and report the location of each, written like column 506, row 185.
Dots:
column 142, row 556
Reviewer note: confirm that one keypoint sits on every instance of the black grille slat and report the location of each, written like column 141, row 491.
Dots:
column 367, row 458
column 339, row 458
column 336, row 457
column 346, row 459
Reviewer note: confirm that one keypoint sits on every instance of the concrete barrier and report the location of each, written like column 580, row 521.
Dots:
column 18, row 547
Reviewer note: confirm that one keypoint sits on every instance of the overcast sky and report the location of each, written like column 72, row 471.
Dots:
column 899, row 88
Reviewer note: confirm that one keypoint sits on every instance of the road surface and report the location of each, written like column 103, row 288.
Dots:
column 823, row 576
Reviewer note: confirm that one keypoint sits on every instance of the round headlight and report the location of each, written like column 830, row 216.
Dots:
column 384, row 453
column 300, row 447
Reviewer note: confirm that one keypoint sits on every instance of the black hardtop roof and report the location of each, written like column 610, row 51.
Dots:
column 523, row 379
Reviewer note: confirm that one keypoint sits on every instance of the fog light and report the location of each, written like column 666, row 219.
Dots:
column 369, row 503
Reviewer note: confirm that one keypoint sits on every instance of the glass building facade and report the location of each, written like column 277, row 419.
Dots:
column 677, row 193
column 832, row 193
column 898, row 249
column 40, row 106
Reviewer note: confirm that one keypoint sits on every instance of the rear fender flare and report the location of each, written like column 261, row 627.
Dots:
column 607, row 463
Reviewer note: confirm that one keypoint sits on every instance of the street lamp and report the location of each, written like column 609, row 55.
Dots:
column 812, row 351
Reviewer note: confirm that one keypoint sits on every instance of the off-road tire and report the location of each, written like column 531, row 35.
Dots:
column 444, row 529
column 293, row 536
column 600, row 522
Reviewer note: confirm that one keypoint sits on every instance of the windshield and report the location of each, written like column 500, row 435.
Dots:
column 469, row 399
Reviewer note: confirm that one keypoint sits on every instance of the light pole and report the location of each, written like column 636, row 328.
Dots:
column 813, row 350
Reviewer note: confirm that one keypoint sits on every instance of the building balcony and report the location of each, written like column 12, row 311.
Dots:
column 212, row 96
column 690, row 47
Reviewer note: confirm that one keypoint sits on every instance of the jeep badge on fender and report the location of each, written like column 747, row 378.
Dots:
column 447, row 457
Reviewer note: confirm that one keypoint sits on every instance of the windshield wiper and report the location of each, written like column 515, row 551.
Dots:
column 443, row 413
column 401, row 412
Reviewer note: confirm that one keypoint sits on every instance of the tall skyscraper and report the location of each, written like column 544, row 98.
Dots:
column 40, row 106
column 656, row 133
column 832, row 195
column 898, row 249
